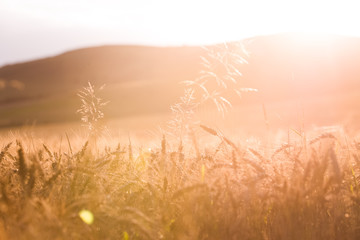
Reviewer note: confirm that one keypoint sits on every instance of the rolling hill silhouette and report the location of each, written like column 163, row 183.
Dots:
column 145, row 80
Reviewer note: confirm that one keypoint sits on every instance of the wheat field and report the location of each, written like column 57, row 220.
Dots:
column 308, row 189
column 191, row 181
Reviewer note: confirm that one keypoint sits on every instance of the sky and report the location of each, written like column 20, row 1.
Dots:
column 31, row 29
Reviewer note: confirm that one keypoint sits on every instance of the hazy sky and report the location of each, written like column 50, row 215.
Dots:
column 31, row 29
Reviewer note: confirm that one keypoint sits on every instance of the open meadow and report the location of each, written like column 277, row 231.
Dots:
column 282, row 169
column 179, row 120
column 61, row 182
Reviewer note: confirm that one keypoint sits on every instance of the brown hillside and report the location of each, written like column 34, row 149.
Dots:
column 99, row 65
column 144, row 80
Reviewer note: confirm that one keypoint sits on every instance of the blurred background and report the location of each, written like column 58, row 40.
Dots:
column 302, row 56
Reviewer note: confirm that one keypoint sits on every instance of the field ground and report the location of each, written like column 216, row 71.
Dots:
column 249, row 120
column 286, row 169
column 281, row 164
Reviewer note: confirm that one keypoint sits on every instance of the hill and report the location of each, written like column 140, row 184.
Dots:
column 133, row 75
column 144, row 80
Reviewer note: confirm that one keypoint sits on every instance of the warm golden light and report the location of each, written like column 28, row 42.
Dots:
column 163, row 22
column 86, row 216
column 252, row 132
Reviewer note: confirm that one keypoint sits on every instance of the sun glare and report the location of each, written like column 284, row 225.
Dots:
column 191, row 119
column 196, row 21
column 161, row 22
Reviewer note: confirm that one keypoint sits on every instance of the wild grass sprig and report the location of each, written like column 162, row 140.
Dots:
column 92, row 107
column 221, row 75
